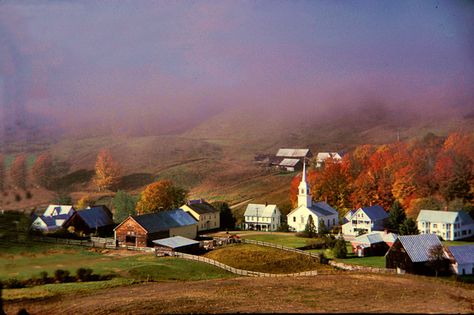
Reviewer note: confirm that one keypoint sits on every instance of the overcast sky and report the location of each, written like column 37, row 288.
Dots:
column 169, row 60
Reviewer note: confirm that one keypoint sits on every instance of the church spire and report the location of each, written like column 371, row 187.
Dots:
column 304, row 196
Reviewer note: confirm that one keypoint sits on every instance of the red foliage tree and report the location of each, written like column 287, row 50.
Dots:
column 42, row 172
column 18, row 174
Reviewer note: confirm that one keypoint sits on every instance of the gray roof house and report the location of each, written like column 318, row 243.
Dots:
column 411, row 253
column 462, row 259
column 53, row 218
column 364, row 220
column 450, row 225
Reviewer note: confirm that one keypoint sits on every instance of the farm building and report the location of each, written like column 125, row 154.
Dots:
column 142, row 230
column 364, row 220
column 262, row 217
column 373, row 244
column 167, row 246
column 321, row 157
column 450, row 225
column 207, row 216
column 53, row 218
column 411, row 253
column 97, row 219
column 462, row 259
column 291, row 165
column 320, row 211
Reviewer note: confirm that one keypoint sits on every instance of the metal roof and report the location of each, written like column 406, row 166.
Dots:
column 164, row 220
column 376, row 237
column 260, row 210
column 293, row 152
column 463, row 254
column 175, row 242
column 58, row 209
column 439, row 216
column 289, row 162
column 322, row 156
column 201, row 207
column 418, row 246
column 96, row 217
column 320, row 209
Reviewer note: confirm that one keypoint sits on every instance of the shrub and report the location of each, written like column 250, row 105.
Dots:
column 323, row 259
column 61, row 275
column 340, row 249
column 13, row 283
column 84, row 274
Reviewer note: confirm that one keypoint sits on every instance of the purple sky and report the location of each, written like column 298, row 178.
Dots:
column 166, row 62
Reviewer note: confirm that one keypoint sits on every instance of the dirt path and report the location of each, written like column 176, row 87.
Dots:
column 328, row 293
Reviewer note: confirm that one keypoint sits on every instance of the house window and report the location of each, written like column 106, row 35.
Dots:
column 333, row 221
column 294, row 219
column 302, row 219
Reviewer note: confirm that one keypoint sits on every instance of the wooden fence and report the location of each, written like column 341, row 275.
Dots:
column 289, row 249
column 240, row 271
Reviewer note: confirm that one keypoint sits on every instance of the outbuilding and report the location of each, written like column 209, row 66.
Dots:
column 462, row 259
column 167, row 246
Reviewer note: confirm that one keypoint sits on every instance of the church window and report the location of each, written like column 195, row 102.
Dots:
column 294, row 219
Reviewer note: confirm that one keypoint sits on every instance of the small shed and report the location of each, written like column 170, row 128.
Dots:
column 291, row 165
column 462, row 259
column 167, row 246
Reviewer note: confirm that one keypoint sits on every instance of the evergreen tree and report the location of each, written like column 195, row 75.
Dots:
column 310, row 228
column 322, row 228
column 124, row 205
column 227, row 219
column 396, row 217
column 340, row 249
column 408, row 227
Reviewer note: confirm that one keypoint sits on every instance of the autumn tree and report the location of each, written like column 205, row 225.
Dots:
column 107, row 171
column 84, row 202
column 124, row 205
column 18, row 173
column 436, row 258
column 42, row 172
column 159, row 196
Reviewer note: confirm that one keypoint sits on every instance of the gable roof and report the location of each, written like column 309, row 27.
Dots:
column 444, row 216
column 374, row 212
column 293, row 152
column 289, row 162
column 321, row 156
column 418, row 246
column 376, row 237
column 58, row 209
column 260, row 210
column 320, row 209
column 201, row 207
column 463, row 254
column 175, row 242
column 164, row 220
column 95, row 217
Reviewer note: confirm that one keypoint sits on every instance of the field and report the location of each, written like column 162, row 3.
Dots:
column 128, row 267
column 323, row 293
column 265, row 259
column 284, row 239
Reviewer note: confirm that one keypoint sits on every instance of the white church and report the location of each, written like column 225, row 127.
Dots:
column 320, row 211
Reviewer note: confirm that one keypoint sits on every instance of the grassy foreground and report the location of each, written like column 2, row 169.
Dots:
column 23, row 262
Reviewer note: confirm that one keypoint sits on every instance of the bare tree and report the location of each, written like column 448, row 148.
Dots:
column 437, row 259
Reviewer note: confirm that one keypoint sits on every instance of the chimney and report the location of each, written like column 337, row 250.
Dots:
column 266, row 203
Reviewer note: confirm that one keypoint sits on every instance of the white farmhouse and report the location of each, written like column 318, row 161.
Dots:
column 462, row 259
column 450, row 225
column 323, row 156
column 320, row 211
column 262, row 217
column 364, row 220
column 53, row 218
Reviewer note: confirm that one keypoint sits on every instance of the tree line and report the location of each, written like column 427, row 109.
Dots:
column 432, row 172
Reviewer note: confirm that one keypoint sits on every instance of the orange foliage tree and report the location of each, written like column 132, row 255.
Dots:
column 107, row 171
column 159, row 196
column 42, row 171
column 18, row 173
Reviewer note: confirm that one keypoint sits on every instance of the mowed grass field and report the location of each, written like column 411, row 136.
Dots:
column 23, row 262
column 265, row 259
column 284, row 239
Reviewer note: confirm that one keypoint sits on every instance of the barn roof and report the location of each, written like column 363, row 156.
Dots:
column 376, row 237
column 289, row 162
column 175, row 242
column 320, row 209
column 444, row 216
column 164, row 220
column 260, row 210
column 463, row 254
column 293, row 152
column 201, row 206
column 418, row 246
column 95, row 217
column 58, row 210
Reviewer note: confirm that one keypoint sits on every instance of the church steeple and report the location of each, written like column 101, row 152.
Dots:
column 304, row 196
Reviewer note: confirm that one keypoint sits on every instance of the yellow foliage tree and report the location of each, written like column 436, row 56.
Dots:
column 84, row 202
column 107, row 171
column 159, row 196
